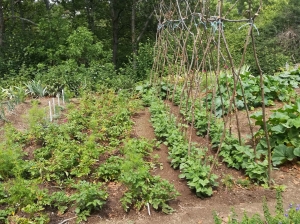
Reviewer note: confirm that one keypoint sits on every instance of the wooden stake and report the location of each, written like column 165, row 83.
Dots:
column 53, row 100
column 63, row 97
column 50, row 111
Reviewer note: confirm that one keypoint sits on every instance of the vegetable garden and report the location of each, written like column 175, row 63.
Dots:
column 60, row 169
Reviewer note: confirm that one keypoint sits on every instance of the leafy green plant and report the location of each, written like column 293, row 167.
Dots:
column 14, row 93
column 22, row 192
column 60, row 200
column 110, row 170
column 2, row 113
column 142, row 61
column 10, row 160
column 235, row 155
column 283, row 126
column 243, row 182
column 36, row 89
column 39, row 218
column 197, row 174
column 276, row 87
column 4, row 213
column 89, row 197
column 36, row 117
column 143, row 188
column 69, row 150
column 12, row 96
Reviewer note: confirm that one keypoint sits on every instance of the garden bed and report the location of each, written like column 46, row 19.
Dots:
column 188, row 207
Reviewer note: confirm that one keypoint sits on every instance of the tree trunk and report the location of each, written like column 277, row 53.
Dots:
column 47, row 3
column 1, row 24
column 115, row 16
column 133, row 34
column 89, row 14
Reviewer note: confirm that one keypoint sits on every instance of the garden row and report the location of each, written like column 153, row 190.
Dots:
column 191, row 160
column 182, row 155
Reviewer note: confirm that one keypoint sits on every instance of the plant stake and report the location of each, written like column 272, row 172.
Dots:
column 50, row 111
column 148, row 207
column 58, row 102
column 53, row 100
column 63, row 97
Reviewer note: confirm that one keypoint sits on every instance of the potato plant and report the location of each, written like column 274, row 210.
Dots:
column 77, row 155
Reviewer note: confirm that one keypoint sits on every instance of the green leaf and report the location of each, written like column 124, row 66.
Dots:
column 181, row 176
column 289, row 153
column 77, row 210
column 258, row 117
column 267, row 90
column 279, row 155
column 204, row 182
column 278, row 129
column 295, row 122
column 240, row 104
column 139, row 88
column 294, row 137
column 298, row 105
column 282, row 153
column 279, row 116
column 297, row 152
column 284, row 75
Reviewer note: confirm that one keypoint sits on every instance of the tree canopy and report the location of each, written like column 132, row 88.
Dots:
column 37, row 34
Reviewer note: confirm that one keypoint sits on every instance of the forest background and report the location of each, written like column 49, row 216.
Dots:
column 88, row 44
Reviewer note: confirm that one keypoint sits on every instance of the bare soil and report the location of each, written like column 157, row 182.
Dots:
column 189, row 208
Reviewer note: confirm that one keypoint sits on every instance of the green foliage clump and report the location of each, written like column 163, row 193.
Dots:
column 89, row 197
column 25, row 195
column 36, row 118
column 11, row 97
column 35, row 88
column 140, row 65
column 10, row 159
column 60, row 200
column 283, row 128
column 16, row 94
column 111, row 169
column 279, row 87
column 11, row 152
